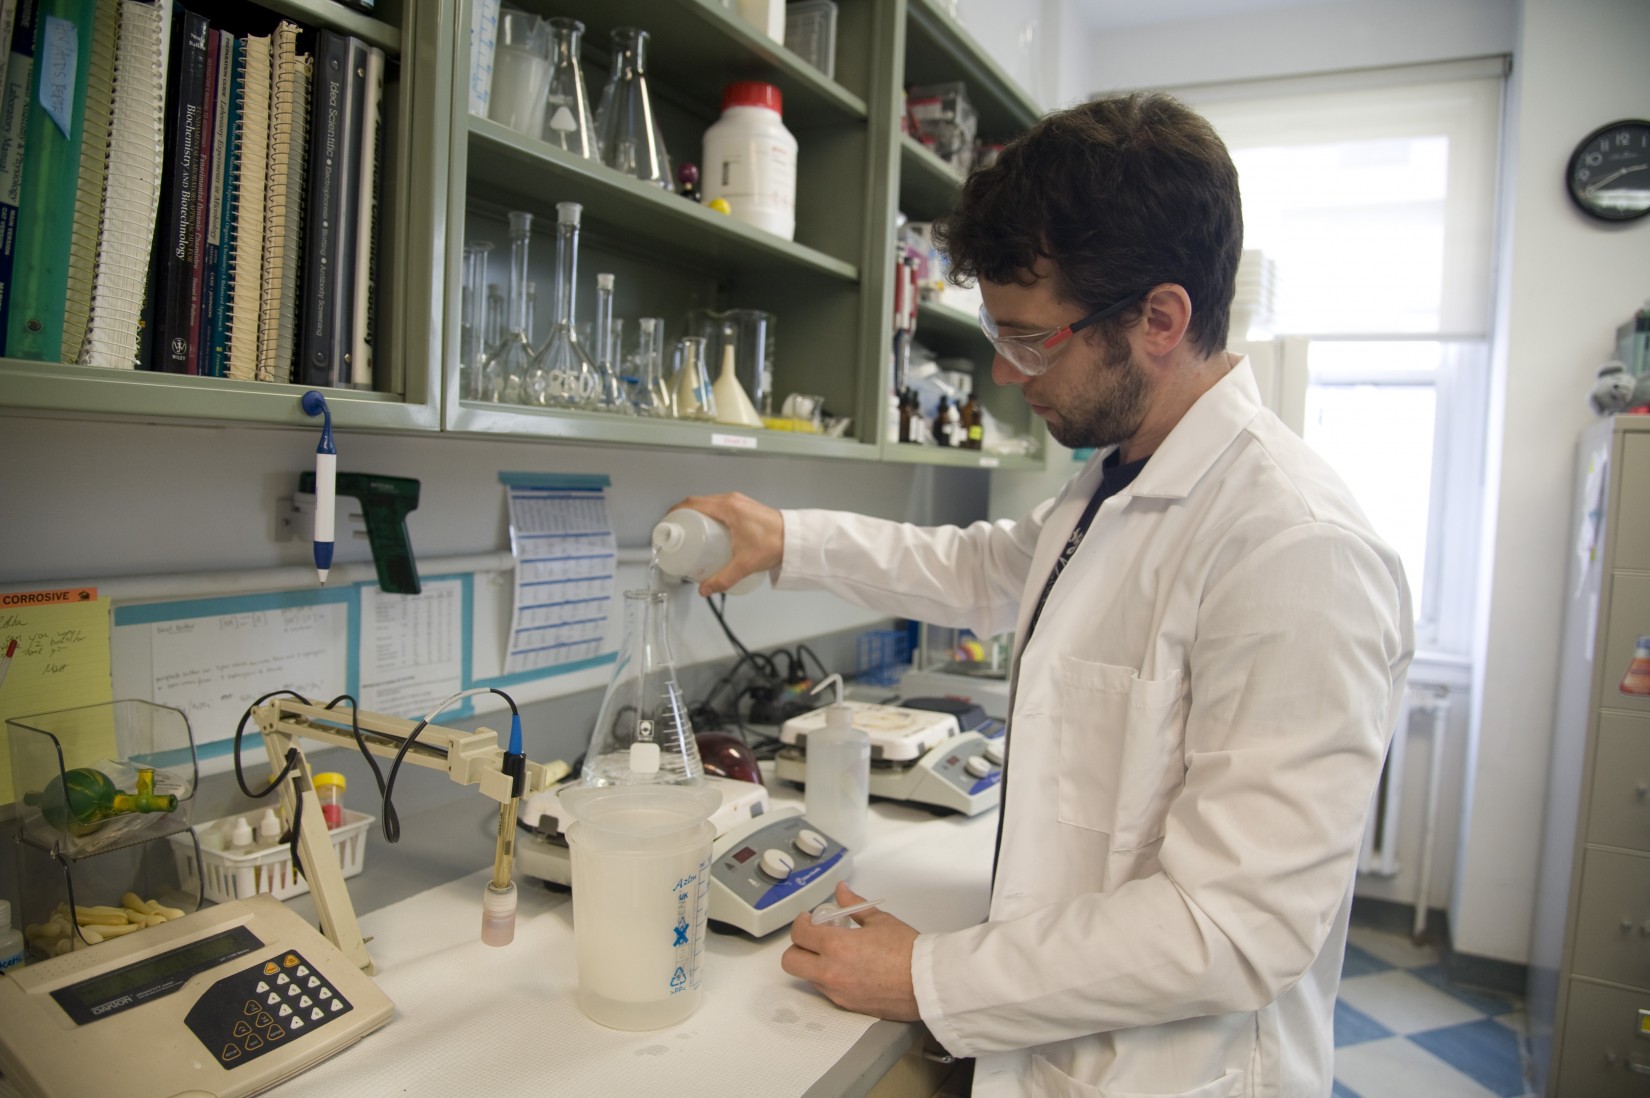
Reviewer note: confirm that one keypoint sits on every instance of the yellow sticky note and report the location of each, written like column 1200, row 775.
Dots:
column 61, row 659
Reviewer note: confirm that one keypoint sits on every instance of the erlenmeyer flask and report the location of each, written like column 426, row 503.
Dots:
column 610, row 394
column 472, row 330
column 562, row 373
column 690, row 388
column 643, row 734
column 625, row 123
column 567, row 123
column 521, row 67
column 507, row 363
column 651, row 397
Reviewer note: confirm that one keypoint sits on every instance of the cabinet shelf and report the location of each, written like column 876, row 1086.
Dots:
column 518, row 172
column 335, row 16
column 928, row 186
column 938, row 49
column 598, row 427
column 150, row 395
column 905, row 453
column 697, row 47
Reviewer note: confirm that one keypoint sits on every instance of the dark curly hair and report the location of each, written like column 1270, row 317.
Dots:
column 1121, row 194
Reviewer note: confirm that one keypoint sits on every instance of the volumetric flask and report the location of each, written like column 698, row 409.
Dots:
column 643, row 734
column 505, row 372
column 651, row 396
column 567, row 122
column 562, row 373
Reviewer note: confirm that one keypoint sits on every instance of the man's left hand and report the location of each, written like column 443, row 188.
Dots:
column 867, row 970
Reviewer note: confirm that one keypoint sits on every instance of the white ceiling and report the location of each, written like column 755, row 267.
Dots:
column 1115, row 14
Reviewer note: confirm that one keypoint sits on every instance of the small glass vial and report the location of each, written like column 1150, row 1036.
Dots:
column 329, row 790
column 1637, row 679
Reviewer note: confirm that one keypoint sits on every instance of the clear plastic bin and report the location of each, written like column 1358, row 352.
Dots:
column 810, row 33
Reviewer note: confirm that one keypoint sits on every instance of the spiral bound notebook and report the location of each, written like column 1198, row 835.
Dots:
column 131, row 198
column 89, row 185
column 248, row 197
column 283, row 205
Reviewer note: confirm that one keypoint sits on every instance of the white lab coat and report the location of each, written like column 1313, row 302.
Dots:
column 1198, row 725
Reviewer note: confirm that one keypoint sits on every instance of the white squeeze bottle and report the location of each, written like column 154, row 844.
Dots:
column 692, row 545
column 11, row 940
column 838, row 774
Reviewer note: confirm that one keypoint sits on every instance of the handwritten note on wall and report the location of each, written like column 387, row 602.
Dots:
column 61, row 660
column 213, row 667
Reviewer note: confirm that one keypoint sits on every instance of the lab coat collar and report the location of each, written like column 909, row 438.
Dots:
column 1202, row 435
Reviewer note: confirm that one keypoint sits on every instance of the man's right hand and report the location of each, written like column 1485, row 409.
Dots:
column 755, row 530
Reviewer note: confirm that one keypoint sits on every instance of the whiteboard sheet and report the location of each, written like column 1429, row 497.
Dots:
column 213, row 667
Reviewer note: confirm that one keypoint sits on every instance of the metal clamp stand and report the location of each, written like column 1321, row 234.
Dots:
column 469, row 758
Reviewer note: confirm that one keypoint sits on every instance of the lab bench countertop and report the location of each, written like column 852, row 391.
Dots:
column 470, row 1018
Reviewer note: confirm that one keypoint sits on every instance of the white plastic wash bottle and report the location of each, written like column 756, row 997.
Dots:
column 691, row 545
column 837, row 774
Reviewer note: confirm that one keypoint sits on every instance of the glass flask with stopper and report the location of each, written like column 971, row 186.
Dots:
column 567, row 122
column 643, row 734
column 562, row 374
column 626, row 126
column 507, row 365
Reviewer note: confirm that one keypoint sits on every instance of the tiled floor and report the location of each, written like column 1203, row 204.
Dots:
column 1402, row 1030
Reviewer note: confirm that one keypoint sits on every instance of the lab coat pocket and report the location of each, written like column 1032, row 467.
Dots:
column 1048, row 1081
column 1120, row 750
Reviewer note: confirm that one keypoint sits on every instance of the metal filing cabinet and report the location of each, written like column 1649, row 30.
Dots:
column 1589, row 991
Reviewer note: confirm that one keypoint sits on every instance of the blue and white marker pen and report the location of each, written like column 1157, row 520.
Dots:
column 326, row 479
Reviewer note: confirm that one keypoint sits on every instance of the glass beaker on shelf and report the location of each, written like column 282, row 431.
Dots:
column 521, row 69
column 626, row 126
column 691, row 390
column 562, row 373
column 610, row 392
column 567, row 121
column 472, row 329
column 508, row 362
column 643, row 734
column 751, row 332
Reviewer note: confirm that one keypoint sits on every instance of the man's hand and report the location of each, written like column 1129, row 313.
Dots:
column 755, row 530
column 866, row 970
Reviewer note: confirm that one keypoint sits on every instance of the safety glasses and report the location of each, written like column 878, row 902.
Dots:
column 1031, row 354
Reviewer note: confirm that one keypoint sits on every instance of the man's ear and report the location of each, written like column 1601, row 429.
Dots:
column 1166, row 313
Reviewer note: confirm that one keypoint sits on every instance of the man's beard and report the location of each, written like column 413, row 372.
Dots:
column 1110, row 410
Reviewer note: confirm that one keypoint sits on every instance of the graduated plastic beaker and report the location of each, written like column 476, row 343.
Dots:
column 643, row 734
column 641, row 896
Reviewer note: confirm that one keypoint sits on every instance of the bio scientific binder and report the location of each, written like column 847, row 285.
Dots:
column 248, row 192
column 89, row 185
column 132, row 192
column 51, row 167
column 283, row 226
column 176, row 256
column 331, row 209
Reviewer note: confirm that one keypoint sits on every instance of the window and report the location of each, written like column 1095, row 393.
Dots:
column 1368, row 199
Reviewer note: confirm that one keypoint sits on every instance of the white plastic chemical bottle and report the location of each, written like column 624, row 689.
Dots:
column 750, row 159
column 691, row 545
column 838, row 774
column 11, row 940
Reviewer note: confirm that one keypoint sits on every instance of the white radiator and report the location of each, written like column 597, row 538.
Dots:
column 1384, row 832
column 1380, row 853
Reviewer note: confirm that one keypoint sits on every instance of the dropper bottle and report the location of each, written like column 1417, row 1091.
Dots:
column 837, row 773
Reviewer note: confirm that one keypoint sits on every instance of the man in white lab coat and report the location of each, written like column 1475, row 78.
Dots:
column 1211, row 643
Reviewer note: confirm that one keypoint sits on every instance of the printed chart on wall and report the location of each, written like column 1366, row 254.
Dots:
column 562, row 538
